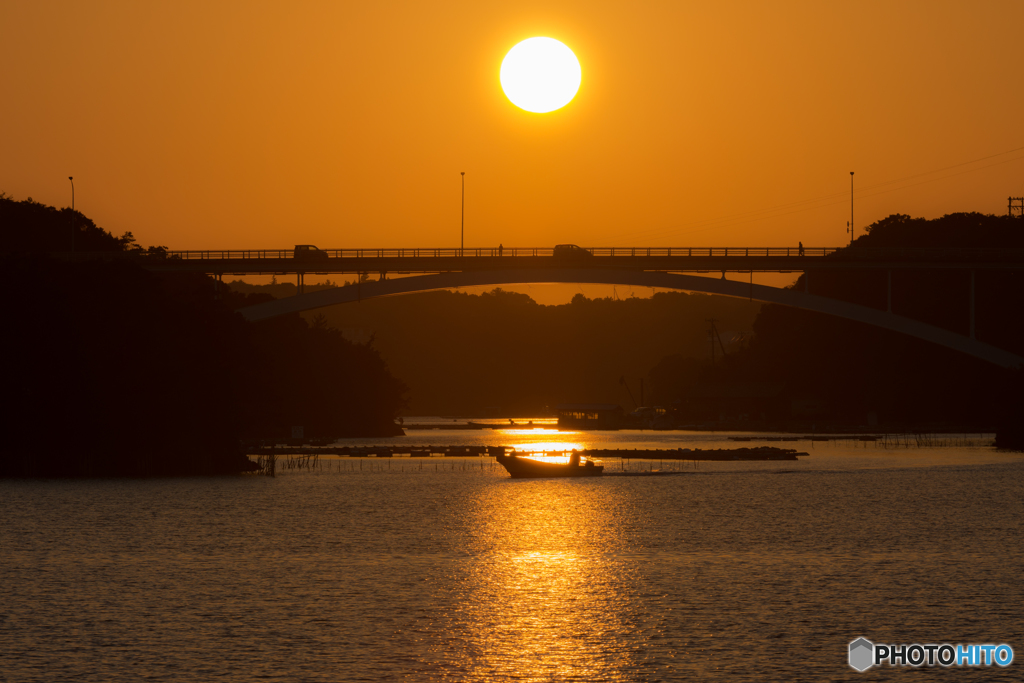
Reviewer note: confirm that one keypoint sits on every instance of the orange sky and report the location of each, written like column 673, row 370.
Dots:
column 342, row 124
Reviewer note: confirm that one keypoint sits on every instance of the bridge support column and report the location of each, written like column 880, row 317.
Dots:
column 300, row 282
column 888, row 291
column 972, row 304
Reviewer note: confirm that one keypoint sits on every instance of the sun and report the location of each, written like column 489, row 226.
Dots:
column 540, row 75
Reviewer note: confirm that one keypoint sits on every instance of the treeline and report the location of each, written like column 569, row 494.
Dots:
column 848, row 371
column 30, row 227
column 500, row 353
column 113, row 370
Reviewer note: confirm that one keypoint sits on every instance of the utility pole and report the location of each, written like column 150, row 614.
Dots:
column 71, row 178
column 713, row 335
column 463, row 240
column 623, row 382
column 1017, row 207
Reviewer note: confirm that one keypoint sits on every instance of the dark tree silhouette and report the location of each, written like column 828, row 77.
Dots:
column 854, row 369
column 113, row 370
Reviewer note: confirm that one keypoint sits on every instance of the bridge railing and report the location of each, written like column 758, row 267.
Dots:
column 494, row 252
column 856, row 254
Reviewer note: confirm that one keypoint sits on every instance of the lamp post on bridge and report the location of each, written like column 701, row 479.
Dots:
column 72, row 179
column 851, row 208
column 462, row 242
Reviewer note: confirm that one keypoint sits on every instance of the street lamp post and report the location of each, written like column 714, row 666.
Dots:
column 462, row 244
column 72, row 179
column 851, row 207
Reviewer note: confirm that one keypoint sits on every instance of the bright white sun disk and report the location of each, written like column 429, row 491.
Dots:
column 540, row 75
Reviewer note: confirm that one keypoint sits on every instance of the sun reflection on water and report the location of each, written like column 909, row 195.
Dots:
column 533, row 432
column 548, row 600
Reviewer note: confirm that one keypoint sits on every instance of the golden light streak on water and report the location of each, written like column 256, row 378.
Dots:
column 536, row 431
column 547, row 603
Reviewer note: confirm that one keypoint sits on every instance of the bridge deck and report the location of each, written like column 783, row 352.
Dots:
column 668, row 259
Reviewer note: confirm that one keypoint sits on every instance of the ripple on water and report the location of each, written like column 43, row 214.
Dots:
column 468, row 575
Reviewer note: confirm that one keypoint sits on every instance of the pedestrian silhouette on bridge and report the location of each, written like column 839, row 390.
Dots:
column 801, row 245
column 500, row 249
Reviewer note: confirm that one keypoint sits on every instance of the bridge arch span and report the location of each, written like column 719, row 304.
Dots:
column 661, row 280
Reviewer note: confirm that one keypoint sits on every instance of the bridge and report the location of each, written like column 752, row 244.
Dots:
column 666, row 259
column 677, row 268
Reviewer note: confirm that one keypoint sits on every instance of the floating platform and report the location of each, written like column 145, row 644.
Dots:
column 830, row 437
column 383, row 451
column 720, row 454
column 454, row 426
column 472, row 426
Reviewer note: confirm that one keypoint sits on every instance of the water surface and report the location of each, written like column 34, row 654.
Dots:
column 452, row 571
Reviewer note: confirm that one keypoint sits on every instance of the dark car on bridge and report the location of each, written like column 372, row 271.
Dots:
column 570, row 250
column 307, row 252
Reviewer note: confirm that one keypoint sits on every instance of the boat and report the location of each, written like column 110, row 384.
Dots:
column 525, row 467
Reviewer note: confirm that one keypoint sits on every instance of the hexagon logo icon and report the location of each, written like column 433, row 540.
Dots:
column 862, row 654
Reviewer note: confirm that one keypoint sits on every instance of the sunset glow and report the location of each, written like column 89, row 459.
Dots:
column 689, row 128
column 367, row 341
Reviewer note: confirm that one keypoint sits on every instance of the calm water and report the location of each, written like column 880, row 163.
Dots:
column 752, row 571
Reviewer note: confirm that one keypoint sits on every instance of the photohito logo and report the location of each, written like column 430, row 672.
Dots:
column 864, row 654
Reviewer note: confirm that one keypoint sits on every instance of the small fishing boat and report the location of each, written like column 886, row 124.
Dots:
column 526, row 467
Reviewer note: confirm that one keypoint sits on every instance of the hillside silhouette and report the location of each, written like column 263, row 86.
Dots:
column 114, row 370
column 30, row 227
column 501, row 353
column 846, row 373
column 155, row 373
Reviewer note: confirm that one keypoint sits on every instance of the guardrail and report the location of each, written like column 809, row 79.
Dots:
column 845, row 253
column 503, row 252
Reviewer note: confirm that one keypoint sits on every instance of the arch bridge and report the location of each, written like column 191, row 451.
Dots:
column 421, row 270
